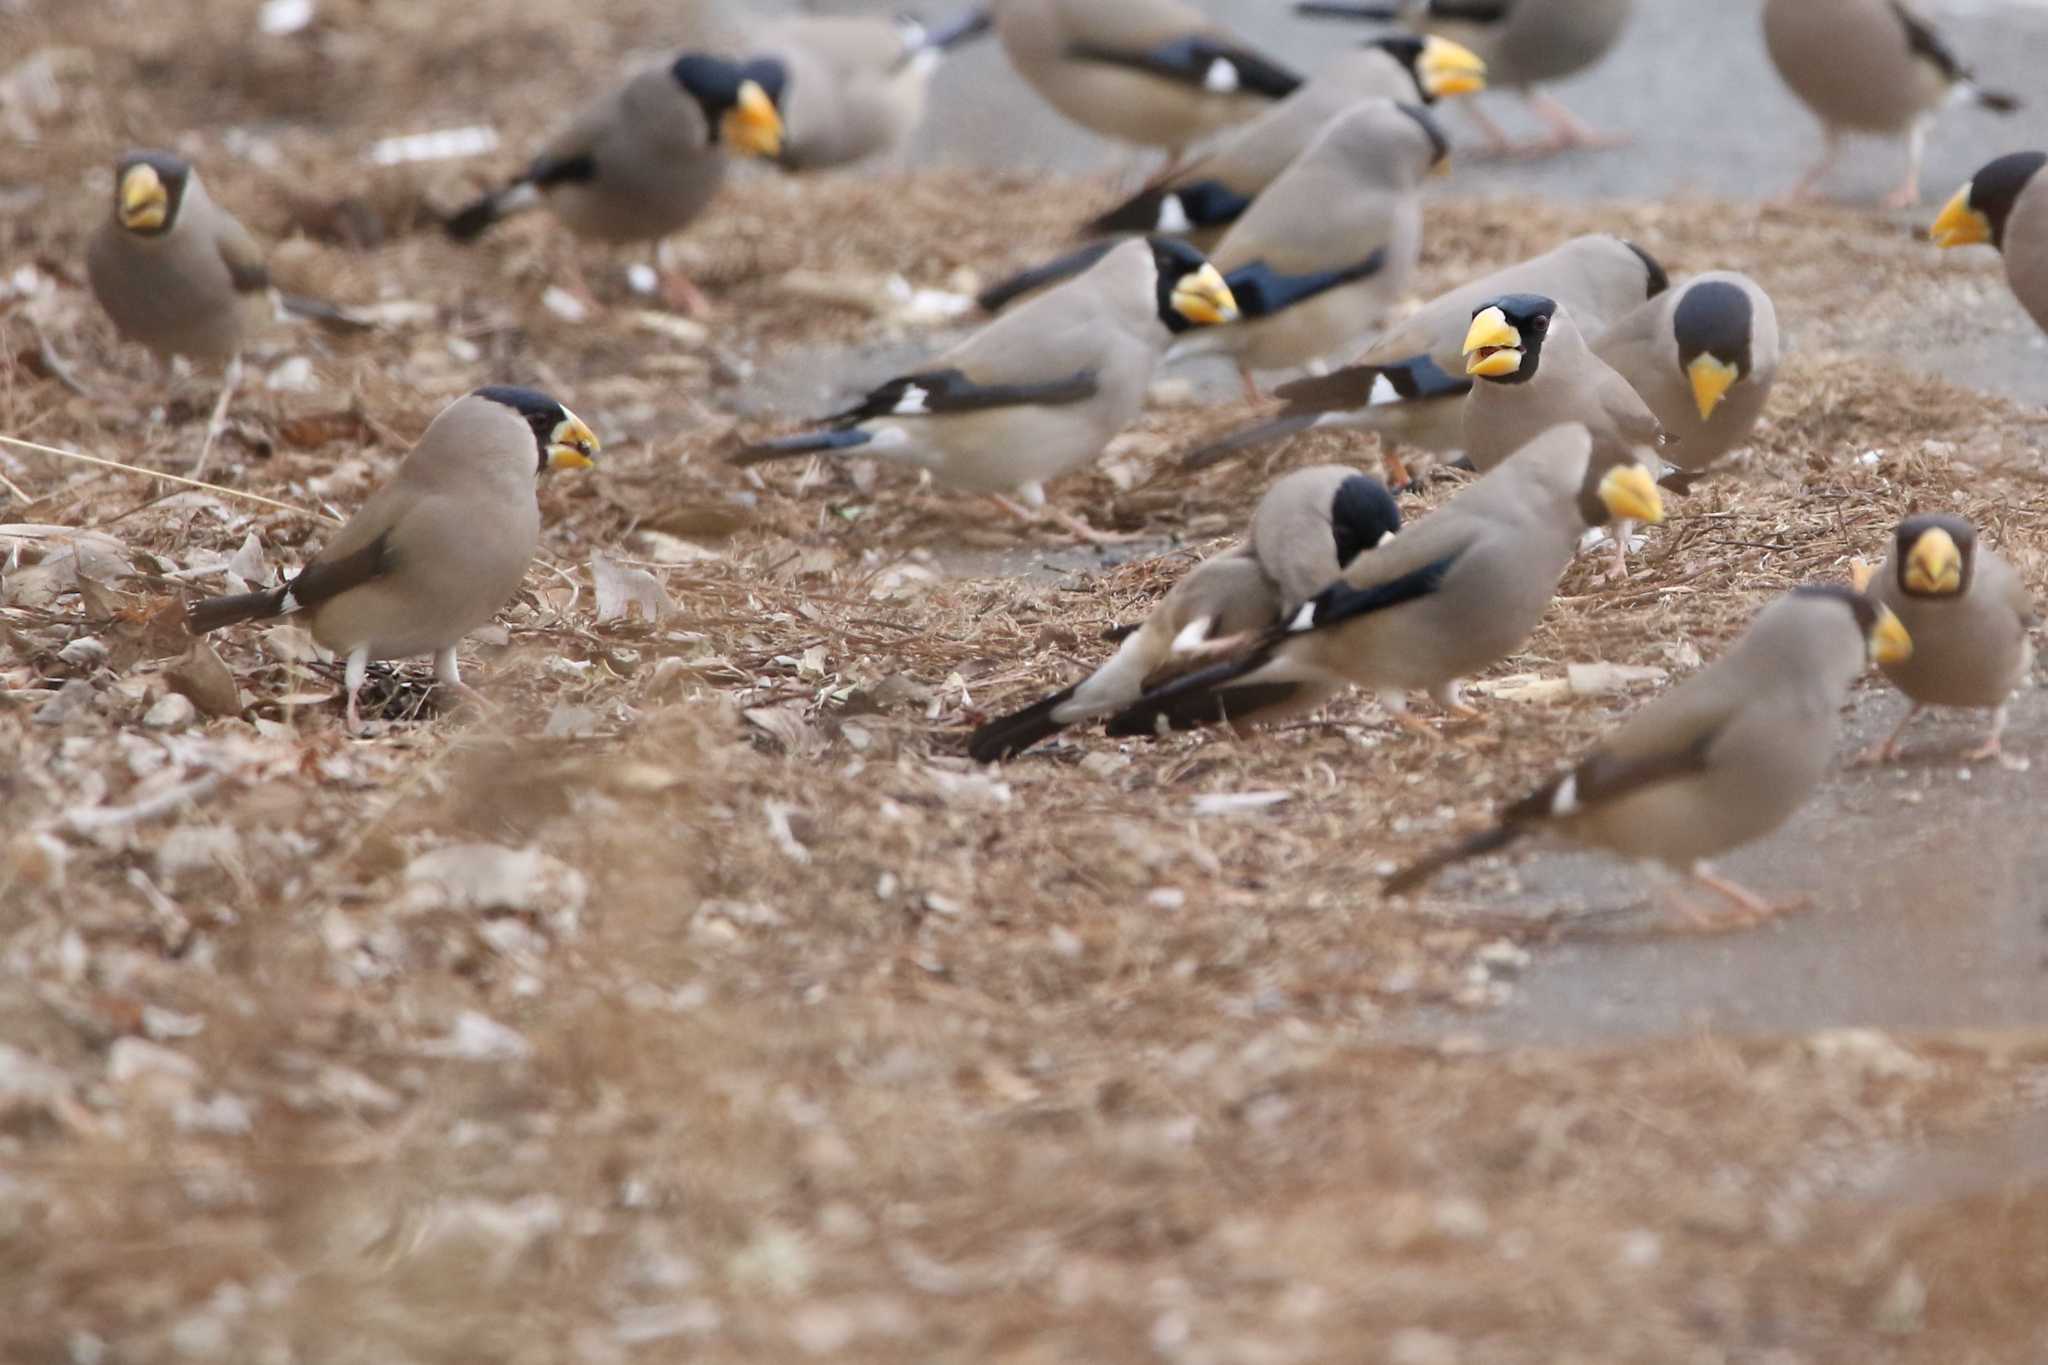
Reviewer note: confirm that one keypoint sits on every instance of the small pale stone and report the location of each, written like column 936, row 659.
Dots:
column 1902, row 1309
column 173, row 711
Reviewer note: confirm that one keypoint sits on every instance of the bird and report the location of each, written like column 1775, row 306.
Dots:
column 1452, row 594
column 1720, row 760
column 1869, row 66
column 178, row 274
column 2005, row 205
column 1330, row 246
column 1968, row 613
column 1038, row 391
column 1410, row 384
column 1703, row 355
column 1201, row 201
column 1158, row 73
column 647, row 157
column 1524, row 43
column 1311, row 524
column 436, row 551
column 1535, row 370
column 855, row 85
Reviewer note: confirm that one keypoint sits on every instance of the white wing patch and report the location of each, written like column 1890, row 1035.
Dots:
column 1305, row 619
column 1221, row 78
column 1173, row 216
column 287, row 604
column 1383, row 391
column 1192, row 634
column 911, row 404
column 1566, row 799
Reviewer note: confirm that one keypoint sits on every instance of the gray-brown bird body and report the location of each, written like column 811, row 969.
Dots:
column 1309, row 525
column 1533, row 42
column 1659, row 347
column 1857, row 64
column 2026, row 249
column 1410, row 384
column 1448, row 597
column 1970, row 648
column 1154, row 72
column 1722, row 759
column 656, row 164
column 2005, row 206
column 1037, row 392
column 434, row 553
column 197, row 288
column 1325, row 252
column 856, row 87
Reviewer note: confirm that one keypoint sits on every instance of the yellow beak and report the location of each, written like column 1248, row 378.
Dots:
column 1447, row 68
column 752, row 125
column 1959, row 224
column 1889, row 642
column 572, row 445
column 1492, row 347
column 1711, row 380
column 1934, row 566
column 1204, row 299
column 1630, row 494
column 144, row 201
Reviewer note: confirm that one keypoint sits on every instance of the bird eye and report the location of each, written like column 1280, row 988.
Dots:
column 1541, row 324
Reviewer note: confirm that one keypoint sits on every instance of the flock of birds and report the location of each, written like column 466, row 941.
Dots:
column 1579, row 385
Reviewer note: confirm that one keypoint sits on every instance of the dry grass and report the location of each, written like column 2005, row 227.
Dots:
column 850, row 1050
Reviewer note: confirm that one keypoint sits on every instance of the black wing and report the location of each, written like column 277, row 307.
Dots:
column 1604, row 777
column 1353, row 386
column 561, row 170
column 1262, row 291
column 944, row 391
column 325, row 579
column 1176, row 209
column 1207, row 63
column 1340, row 602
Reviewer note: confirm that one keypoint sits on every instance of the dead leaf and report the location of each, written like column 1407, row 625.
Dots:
column 204, row 679
column 621, row 590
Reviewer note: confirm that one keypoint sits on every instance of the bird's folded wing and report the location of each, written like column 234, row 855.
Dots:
column 1925, row 43
column 1341, row 602
column 1175, row 207
column 328, row 578
column 1606, row 777
column 1262, row 291
column 951, row 391
column 242, row 256
column 1359, row 386
column 1200, row 61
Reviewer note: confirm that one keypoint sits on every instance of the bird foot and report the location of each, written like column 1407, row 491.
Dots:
column 1991, row 748
column 1743, row 908
column 1079, row 528
column 1876, row 756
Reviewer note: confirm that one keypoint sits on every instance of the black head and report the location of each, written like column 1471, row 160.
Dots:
column 1657, row 281
column 1190, row 291
column 1864, row 608
column 1997, row 186
column 1440, row 146
column 741, row 100
column 1714, row 318
column 1505, row 342
column 560, row 437
column 149, row 189
column 1362, row 514
column 1405, row 48
column 1935, row 555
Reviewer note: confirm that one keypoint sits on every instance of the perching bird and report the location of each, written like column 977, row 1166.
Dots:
column 1720, row 760
column 1158, row 73
column 1452, row 594
column 1525, row 43
column 1968, row 613
column 646, row 158
column 178, row 274
column 2006, row 205
column 1410, row 384
column 1703, row 355
column 1869, row 66
column 1200, row 202
column 1330, row 246
column 1311, row 524
column 855, row 85
column 1039, row 391
column 435, row 552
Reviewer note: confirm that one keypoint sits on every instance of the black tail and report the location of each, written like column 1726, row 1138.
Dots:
column 471, row 222
column 1478, row 845
column 803, row 443
column 998, row 297
column 1206, row 697
column 1258, row 433
column 1330, row 9
column 204, row 617
column 1010, row 735
column 328, row 315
